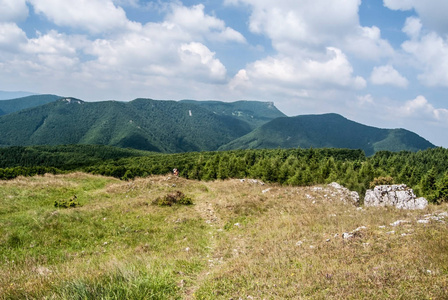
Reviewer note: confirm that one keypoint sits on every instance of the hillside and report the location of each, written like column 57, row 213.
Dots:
column 255, row 113
column 17, row 104
column 162, row 126
column 238, row 240
column 187, row 125
column 328, row 131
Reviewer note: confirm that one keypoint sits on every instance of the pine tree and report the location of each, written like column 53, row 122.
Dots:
column 442, row 192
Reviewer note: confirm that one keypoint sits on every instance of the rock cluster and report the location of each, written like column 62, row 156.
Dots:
column 398, row 195
column 345, row 193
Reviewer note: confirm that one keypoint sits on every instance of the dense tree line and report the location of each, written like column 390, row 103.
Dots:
column 424, row 171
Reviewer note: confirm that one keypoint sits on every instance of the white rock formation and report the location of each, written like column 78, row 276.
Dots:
column 345, row 193
column 399, row 196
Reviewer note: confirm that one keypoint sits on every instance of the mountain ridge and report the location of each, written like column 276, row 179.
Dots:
column 162, row 126
column 328, row 130
column 188, row 125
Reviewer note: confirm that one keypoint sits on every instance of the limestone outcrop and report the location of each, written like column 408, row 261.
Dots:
column 398, row 195
column 345, row 194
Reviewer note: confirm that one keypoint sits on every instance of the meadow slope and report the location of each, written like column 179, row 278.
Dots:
column 239, row 240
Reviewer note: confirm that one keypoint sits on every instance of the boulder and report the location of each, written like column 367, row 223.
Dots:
column 398, row 195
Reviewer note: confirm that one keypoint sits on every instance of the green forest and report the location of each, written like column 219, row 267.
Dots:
column 424, row 171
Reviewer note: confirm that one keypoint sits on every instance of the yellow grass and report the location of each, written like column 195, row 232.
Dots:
column 239, row 240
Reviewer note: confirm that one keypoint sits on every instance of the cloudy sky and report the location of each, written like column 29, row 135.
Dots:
column 379, row 62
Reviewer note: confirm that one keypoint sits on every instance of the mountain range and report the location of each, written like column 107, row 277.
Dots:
column 327, row 131
column 187, row 125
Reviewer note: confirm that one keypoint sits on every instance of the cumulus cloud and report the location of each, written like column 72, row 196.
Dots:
column 194, row 21
column 367, row 43
column 421, row 108
column 333, row 71
column 387, row 75
column 197, row 58
column 95, row 16
column 11, row 37
column 413, row 27
column 293, row 25
column 50, row 43
column 431, row 12
column 13, row 10
column 166, row 57
column 431, row 54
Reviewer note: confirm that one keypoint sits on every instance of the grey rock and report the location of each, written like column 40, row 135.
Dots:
column 345, row 193
column 398, row 195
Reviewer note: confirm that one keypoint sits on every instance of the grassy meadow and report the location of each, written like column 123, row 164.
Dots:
column 239, row 240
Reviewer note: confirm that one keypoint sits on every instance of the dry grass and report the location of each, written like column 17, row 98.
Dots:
column 240, row 240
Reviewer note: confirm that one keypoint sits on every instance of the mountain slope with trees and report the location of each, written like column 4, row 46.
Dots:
column 188, row 125
column 162, row 126
column 328, row 131
column 255, row 113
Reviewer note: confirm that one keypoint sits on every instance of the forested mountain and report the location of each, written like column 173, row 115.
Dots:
column 188, row 125
column 328, row 131
column 162, row 126
column 13, row 105
column 255, row 113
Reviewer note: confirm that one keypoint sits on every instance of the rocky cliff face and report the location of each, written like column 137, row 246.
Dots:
column 399, row 196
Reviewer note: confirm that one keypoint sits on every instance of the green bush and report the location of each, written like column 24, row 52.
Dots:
column 175, row 198
column 381, row 181
column 73, row 202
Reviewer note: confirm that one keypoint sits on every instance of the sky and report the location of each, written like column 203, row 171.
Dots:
column 383, row 63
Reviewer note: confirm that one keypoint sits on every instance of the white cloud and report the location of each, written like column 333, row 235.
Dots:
column 198, row 59
column 13, row 10
column 95, row 16
column 420, row 108
column 431, row 12
column 333, row 71
column 365, row 99
column 302, row 21
column 167, row 58
column 413, row 27
column 399, row 4
column 367, row 43
column 11, row 37
column 387, row 75
column 293, row 25
column 50, row 43
column 430, row 52
column 195, row 22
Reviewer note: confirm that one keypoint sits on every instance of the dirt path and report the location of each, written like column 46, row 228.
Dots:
column 208, row 214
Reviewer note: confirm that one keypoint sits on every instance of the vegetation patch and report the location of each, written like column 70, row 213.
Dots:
column 71, row 203
column 381, row 181
column 173, row 198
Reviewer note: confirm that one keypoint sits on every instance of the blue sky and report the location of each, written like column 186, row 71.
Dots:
column 379, row 62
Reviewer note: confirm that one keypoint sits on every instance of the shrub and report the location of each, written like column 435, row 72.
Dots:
column 175, row 198
column 73, row 202
column 381, row 181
